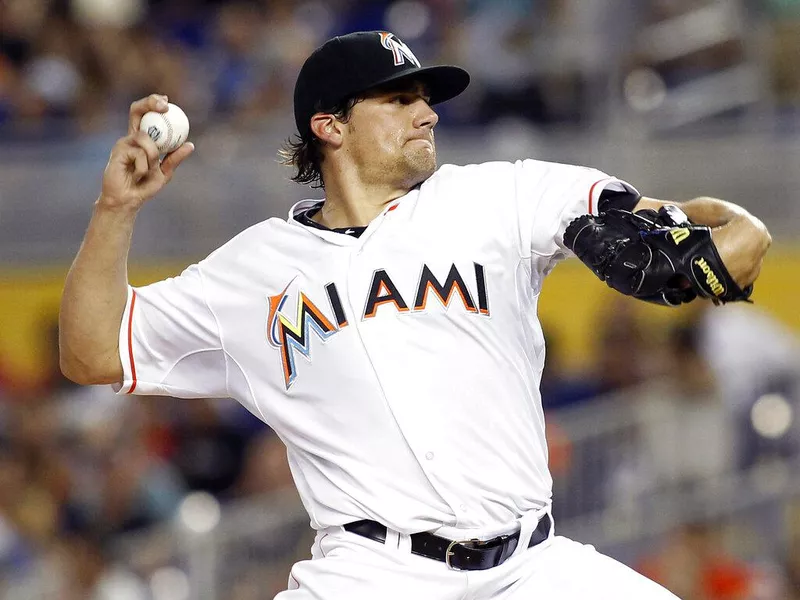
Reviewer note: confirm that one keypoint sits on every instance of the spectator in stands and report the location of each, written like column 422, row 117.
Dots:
column 784, row 53
column 15, row 550
column 559, row 387
column 793, row 553
column 90, row 572
column 683, row 54
column 634, row 359
column 265, row 467
column 751, row 354
column 597, row 458
column 687, row 434
column 208, row 451
column 693, row 565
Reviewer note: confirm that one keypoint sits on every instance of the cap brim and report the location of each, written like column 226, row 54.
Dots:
column 444, row 82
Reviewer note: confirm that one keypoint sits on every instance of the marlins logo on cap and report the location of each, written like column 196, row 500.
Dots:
column 399, row 49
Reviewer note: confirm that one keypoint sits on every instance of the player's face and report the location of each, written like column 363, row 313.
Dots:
column 389, row 136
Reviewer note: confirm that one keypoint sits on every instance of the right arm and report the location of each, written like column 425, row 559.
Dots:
column 96, row 288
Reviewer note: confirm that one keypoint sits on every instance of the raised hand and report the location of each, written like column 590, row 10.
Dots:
column 134, row 172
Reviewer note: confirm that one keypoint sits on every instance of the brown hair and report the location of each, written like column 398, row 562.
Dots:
column 305, row 155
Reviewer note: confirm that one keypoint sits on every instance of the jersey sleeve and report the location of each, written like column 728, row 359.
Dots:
column 169, row 340
column 550, row 195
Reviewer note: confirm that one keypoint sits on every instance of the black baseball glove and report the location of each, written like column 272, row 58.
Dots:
column 659, row 257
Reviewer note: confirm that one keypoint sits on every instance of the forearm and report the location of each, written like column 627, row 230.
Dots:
column 714, row 212
column 741, row 239
column 96, row 289
column 94, row 298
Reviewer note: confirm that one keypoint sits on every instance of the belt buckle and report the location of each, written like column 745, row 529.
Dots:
column 501, row 539
column 449, row 552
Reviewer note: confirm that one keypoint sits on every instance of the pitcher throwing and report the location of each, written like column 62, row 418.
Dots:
column 389, row 335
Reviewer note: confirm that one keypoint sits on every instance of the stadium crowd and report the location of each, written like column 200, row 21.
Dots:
column 75, row 65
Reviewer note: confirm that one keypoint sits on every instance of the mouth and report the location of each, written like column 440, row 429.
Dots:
column 423, row 140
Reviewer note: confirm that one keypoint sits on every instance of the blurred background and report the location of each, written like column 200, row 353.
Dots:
column 674, row 434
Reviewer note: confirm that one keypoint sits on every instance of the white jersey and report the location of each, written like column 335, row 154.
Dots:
column 400, row 368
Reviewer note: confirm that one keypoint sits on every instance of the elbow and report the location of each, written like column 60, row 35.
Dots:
column 764, row 239
column 75, row 371
column 767, row 240
column 85, row 372
column 761, row 241
column 88, row 360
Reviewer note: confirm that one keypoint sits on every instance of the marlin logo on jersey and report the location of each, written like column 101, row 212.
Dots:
column 292, row 332
column 289, row 336
column 399, row 50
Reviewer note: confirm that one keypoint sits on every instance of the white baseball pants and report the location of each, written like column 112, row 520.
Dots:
column 346, row 566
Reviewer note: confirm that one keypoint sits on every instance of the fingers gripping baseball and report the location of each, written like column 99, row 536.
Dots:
column 173, row 159
column 134, row 172
column 139, row 108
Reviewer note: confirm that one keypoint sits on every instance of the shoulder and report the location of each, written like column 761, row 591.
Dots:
column 473, row 181
column 506, row 170
column 250, row 241
column 256, row 232
column 506, row 180
column 449, row 172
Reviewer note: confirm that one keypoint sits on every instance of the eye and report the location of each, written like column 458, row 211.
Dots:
column 407, row 98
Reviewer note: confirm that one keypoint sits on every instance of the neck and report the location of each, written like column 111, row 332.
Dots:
column 350, row 202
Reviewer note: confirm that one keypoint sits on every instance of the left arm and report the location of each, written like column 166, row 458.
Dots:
column 741, row 239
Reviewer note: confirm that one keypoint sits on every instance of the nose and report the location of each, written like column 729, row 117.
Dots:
column 426, row 117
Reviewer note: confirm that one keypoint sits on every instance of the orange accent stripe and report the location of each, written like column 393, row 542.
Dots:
column 391, row 208
column 382, row 287
column 445, row 301
column 130, row 343
column 463, row 299
column 380, row 302
column 591, row 193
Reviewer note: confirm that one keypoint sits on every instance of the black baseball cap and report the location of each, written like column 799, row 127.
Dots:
column 350, row 64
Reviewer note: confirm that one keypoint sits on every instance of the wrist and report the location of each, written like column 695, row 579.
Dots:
column 112, row 205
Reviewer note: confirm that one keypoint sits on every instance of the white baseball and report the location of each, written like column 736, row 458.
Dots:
column 168, row 129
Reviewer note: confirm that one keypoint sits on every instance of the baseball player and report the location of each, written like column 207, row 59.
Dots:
column 388, row 334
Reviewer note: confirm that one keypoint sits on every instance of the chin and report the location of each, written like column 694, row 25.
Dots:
column 421, row 166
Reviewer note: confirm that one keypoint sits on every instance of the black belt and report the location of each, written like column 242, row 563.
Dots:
column 467, row 555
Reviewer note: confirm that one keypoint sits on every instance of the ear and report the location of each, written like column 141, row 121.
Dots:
column 327, row 129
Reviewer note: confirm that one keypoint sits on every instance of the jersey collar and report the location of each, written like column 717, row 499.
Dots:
column 305, row 217
column 335, row 236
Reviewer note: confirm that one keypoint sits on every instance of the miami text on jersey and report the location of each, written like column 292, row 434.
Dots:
column 289, row 334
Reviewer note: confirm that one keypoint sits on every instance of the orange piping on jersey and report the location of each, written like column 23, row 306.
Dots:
column 382, row 287
column 274, row 303
column 591, row 193
column 387, row 297
column 130, row 343
column 445, row 301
